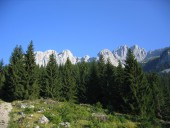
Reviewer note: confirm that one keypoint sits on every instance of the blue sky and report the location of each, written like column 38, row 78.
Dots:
column 83, row 26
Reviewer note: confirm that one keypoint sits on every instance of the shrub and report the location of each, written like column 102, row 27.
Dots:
column 28, row 110
column 98, row 107
column 122, row 119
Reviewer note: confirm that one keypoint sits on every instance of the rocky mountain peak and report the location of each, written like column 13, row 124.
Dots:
column 140, row 53
column 62, row 57
column 86, row 58
column 105, row 52
column 135, row 47
column 66, row 53
column 121, row 52
column 108, row 55
column 42, row 58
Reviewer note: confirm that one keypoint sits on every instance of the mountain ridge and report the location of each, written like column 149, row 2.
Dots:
column 116, row 55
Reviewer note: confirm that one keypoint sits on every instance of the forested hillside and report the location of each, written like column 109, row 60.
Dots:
column 127, row 90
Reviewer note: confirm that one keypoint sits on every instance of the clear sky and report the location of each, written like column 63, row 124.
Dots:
column 83, row 26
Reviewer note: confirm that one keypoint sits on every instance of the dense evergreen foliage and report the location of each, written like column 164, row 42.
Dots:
column 52, row 79
column 68, row 76
column 123, row 89
column 30, row 75
column 14, row 83
column 84, row 69
column 2, row 77
column 135, row 91
column 165, row 108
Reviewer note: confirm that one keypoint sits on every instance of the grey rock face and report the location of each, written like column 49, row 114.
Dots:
column 165, row 56
column 121, row 52
column 108, row 56
column 154, row 53
column 140, row 53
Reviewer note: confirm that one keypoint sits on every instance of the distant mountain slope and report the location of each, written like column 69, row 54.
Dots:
column 154, row 53
column 159, row 63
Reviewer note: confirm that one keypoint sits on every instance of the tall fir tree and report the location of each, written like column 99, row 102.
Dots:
column 14, row 76
column 52, row 79
column 83, row 80
column 30, row 76
column 155, row 90
column 42, row 80
column 2, row 77
column 109, row 87
column 93, row 84
column 76, row 77
column 68, row 90
column 102, row 80
column 135, row 87
column 165, row 107
column 119, row 84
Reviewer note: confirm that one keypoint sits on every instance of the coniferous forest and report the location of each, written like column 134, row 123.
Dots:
column 126, row 89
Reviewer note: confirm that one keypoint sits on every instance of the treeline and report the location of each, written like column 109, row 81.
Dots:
column 123, row 89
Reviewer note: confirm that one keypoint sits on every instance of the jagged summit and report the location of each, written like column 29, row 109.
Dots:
column 108, row 55
column 140, row 53
column 66, row 52
column 42, row 58
column 86, row 58
column 62, row 57
column 120, row 53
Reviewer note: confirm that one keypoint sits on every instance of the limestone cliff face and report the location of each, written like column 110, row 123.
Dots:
column 108, row 55
column 121, row 52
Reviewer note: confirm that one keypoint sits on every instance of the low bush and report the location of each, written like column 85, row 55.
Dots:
column 28, row 110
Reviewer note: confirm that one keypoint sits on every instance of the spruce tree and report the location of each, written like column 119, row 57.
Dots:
column 30, row 75
column 109, row 88
column 135, row 87
column 102, row 80
column 118, row 88
column 156, row 100
column 120, row 76
column 2, row 78
column 42, row 80
column 1, row 74
column 14, row 76
column 68, row 90
column 93, row 89
column 53, row 80
column 83, row 80
column 76, row 76
column 165, row 107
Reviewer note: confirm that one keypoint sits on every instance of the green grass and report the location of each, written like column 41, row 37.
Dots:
column 78, row 115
